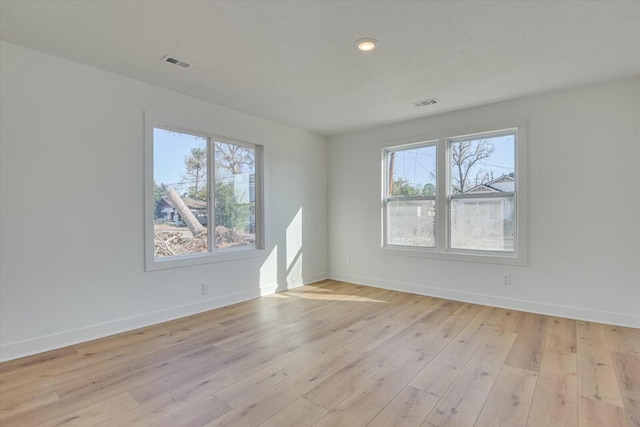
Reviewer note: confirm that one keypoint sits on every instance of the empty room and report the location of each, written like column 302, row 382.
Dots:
column 319, row 213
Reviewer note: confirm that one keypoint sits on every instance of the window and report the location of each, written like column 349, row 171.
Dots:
column 458, row 197
column 203, row 198
column 411, row 200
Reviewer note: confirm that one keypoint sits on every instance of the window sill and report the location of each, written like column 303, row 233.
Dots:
column 201, row 259
column 492, row 258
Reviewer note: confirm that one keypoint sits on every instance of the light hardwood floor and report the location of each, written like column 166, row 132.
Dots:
column 337, row 354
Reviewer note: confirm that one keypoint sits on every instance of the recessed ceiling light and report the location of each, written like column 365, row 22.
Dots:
column 366, row 45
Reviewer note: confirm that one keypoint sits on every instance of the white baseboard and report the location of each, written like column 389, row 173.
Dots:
column 16, row 349
column 577, row 313
column 41, row 344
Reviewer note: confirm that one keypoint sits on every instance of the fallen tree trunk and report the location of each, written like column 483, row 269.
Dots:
column 187, row 216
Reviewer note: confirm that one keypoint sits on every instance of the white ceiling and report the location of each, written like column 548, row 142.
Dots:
column 295, row 61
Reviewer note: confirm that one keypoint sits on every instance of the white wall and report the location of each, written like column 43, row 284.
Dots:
column 584, row 208
column 71, row 206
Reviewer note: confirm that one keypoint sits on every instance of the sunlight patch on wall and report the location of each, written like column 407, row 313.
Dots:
column 269, row 273
column 294, row 250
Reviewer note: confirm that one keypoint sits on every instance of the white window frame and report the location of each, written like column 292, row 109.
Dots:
column 444, row 196
column 388, row 198
column 152, row 263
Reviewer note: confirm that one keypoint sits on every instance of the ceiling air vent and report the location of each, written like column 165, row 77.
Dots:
column 425, row 102
column 175, row 61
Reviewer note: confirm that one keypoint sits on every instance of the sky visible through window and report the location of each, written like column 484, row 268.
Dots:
column 170, row 149
column 418, row 165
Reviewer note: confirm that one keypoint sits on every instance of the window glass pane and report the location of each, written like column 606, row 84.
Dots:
column 235, row 195
column 412, row 172
column 483, row 224
column 180, row 193
column 483, row 164
column 411, row 222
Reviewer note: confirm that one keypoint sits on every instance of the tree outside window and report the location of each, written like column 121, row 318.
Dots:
column 186, row 220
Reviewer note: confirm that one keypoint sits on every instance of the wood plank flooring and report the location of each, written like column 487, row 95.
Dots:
column 337, row 354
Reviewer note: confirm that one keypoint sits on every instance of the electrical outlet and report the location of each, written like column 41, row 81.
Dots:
column 506, row 279
column 205, row 289
column 348, row 259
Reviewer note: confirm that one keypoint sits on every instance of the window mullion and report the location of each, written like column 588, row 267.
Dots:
column 401, row 198
column 442, row 185
column 259, row 197
column 385, row 197
column 211, row 217
column 487, row 195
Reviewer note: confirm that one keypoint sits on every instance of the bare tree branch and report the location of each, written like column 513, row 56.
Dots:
column 232, row 157
column 465, row 155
